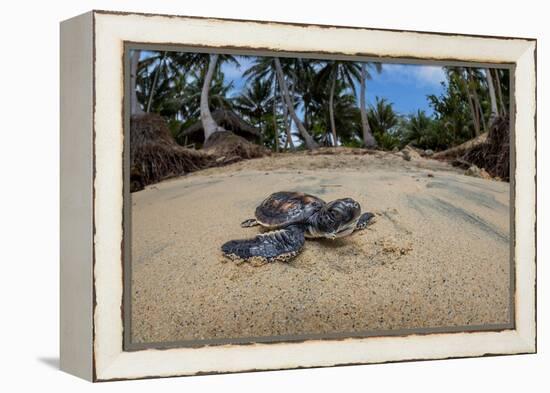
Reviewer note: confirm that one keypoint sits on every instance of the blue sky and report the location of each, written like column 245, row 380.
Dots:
column 405, row 85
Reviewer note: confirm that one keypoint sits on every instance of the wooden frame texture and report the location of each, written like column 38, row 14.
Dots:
column 92, row 192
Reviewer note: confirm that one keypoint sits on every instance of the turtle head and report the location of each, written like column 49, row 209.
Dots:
column 337, row 218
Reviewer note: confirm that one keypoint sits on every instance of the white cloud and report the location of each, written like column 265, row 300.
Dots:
column 420, row 75
column 431, row 74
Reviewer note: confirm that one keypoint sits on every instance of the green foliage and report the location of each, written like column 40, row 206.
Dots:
column 424, row 132
column 382, row 117
column 170, row 83
column 384, row 122
column 453, row 120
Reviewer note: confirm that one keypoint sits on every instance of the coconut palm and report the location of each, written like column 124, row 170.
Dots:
column 191, row 98
column 368, row 138
column 454, row 109
column 304, row 84
column 159, row 63
column 474, row 84
column 135, row 107
column 277, row 72
column 492, row 94
column 462, row 77
column 160, row 79
column 334, row 71
column 385, row 123
column 417, row 125
column 381, row 116
column 263, row 69
column 309, row 141
column 255, row 103
column 300, row 77
column 346, row 116
column 502, row 78
column 212, row 65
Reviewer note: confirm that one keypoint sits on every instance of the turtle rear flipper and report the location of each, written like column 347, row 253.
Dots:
column 365, row 220
column 280, row 245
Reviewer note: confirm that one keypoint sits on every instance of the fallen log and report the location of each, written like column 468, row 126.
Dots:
column 461, row 149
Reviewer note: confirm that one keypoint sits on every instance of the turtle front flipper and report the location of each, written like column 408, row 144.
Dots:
column 365, row 220
column 251, row 222
column 280, row 245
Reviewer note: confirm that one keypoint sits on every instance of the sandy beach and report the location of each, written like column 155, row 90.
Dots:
column 437, row 255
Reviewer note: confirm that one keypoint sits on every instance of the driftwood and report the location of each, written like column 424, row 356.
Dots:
column 459, row 150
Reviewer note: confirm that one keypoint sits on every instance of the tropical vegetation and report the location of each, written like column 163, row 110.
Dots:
column 298, row 103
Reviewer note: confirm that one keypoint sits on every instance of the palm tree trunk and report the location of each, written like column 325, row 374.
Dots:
column 289, row 134
column 331, row 111
column 287, row 125
column 503, row 109
column 135, row 108
column 310, row 143
column 261, row 127
column 289, row 128
column 473, row 113
column 289, row 143
column 208, row 123
column 275, row 126
column 154, row 84
column 368, row 138
column 479, row 112
column 492, row 95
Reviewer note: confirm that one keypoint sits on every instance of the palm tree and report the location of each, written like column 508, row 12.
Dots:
column 384, row 122
column 462, row 76
column 492, row 94
column 263, row 69
column 191, row 95
column 382, row 117
column 160, row 67
column 255, row 103
column 474, row 78
column 271, row 69
column 208, row 123
column 346, row 116
column 135, row 108
column 158, row 75
column 309, row 141
column 417, row 126
column 368, row 138
column 334, row 70
column 502, row 89
column 453, row 109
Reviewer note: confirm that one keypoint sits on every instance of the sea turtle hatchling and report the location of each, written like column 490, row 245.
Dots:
column 291, row 217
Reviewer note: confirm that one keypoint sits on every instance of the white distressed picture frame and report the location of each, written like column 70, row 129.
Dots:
column 92, row 143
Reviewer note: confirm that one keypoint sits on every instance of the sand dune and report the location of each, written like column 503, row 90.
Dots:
column 437, row 255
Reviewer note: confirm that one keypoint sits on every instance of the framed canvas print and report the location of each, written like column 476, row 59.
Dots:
column 245, row 195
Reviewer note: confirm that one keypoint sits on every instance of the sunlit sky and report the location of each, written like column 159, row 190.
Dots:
column 405, row 85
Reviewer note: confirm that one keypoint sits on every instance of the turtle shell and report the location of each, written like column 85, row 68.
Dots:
column 285, row 208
